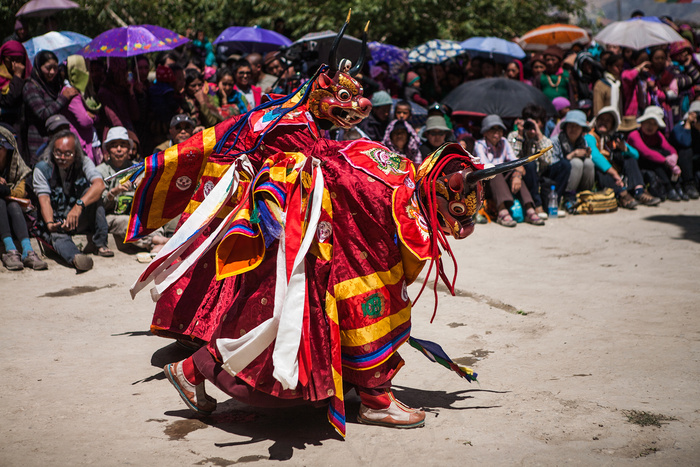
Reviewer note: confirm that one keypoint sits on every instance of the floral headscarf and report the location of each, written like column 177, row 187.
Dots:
column 411, row 150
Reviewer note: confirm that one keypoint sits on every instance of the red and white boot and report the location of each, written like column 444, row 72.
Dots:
column 385, row 410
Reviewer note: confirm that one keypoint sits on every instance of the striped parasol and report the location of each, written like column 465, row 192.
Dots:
column 563, row 35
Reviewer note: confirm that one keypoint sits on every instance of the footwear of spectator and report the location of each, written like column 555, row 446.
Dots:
column 540, row 212
column 672, row 195
column 534, row 219
column 692, row 192
column 506, row 221
column 104, row 252
column 12, row 260
column 82, row 262
column 193, row 396
column 684, row 196
column 32, row 261
column 397, row 415
column 647, row 200
column 627, row 201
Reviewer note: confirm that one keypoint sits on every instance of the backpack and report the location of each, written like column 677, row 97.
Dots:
column 588, row 202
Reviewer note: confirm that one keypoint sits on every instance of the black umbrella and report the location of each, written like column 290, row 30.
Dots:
column 314, row 48
column 503, row 97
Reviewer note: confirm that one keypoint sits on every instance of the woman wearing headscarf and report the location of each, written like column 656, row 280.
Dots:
column 82, row 111
column 14, row 71
column 118, row 98
column 43, row 98
column 514, row 70
column 587, row 71
column 401, row 138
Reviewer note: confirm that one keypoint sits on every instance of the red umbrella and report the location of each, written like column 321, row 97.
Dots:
column 34, row 8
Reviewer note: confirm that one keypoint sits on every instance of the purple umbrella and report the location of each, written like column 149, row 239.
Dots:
column 251, row 39
column 395, row 57
column 132, row 40
column 35, row 8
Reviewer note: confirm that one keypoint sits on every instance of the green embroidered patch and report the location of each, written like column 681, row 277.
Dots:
column 373, row 307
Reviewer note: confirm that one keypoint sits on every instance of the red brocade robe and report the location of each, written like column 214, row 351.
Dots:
column 370, row 242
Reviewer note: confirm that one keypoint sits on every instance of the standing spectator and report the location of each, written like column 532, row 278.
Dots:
column 243, row 74
column 537, row 66
column 686, row 139
column 181, row 129
column 495, row 149
column 227, row 99
column 607, row 90
column 554, row 81
column 514, row 70
column 13, row 174
column 374, row 126
column 401, row 138
column 588, row 71
column 571, row 144
column 97, row 73
column 162, row 102
column 412, row 90
column 117, row 196
column 14, row 71
column 435, row 132
column 195, row 103
column 201, row 46
column 403, row 111
column 657, row 155
column 614, row 159
column 259, row 78
column 118, row 98
column 82, row 110
column 634, row 88
column 70, row 189
column 43, row 98
column 20, row 34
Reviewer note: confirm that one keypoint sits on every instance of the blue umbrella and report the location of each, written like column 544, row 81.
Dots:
column 435, row 51
column 395, row 57
column 251, row 39
column 500, row 50
column 62, row 43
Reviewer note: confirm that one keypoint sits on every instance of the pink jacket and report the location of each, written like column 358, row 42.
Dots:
column 647, row 145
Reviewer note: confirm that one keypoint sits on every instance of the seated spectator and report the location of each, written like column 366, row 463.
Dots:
column 43, row 98
column 181, row 128
column 657, row 156
column 401, row 138
column 243, row 74
column 412, row 89
column 54, row 124
column 553, row 126
column 494, row 149
column 69, row 191
column 15, row 69
column 195, row 103
column 571, row 144
column 529, row 139
column 13, row 174
column 83, row 109
column 374, row 126
column 118, row 196
column 228, row 101
column 614, row 159
column 118, row 97
column 686, row 139
column 436, row 131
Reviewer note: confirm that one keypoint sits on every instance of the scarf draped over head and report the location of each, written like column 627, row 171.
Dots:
column 79, row 78
column 519, row 64
column 411, row 150
column 52, row 89
column 12, row 49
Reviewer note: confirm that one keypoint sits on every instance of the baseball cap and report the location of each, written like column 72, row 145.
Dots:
column 117, row 133
column 181, row 118
column 55, row 122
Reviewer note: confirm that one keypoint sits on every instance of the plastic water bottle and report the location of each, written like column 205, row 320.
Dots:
column 553, row 204
column 516, row 211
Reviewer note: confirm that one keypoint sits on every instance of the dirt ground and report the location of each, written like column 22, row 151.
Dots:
column 571, row 327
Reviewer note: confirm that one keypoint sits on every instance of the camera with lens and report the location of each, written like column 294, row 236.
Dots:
column 529, row 125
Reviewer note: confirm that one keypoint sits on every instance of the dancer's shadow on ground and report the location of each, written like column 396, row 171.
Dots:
column 432, row 400
column 689, row 224
column 173, row 352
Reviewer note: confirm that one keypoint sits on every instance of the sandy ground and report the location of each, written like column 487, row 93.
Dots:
column 569, row 327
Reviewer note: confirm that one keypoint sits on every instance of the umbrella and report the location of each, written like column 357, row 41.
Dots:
column 62, row 43
column 435, row 51
column 500, row 50
column 563, row 35
column 132, row 40
column 503, row 97
column 315, row 47
column 396, row 57
column 251, row 39
column 638, row 33
column 35, row 8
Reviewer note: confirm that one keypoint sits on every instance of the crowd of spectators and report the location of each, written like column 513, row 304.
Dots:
column 626, row 120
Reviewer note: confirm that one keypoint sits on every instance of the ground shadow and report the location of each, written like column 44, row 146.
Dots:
column 171, row 353
column 689, row 224
column 441, row 399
